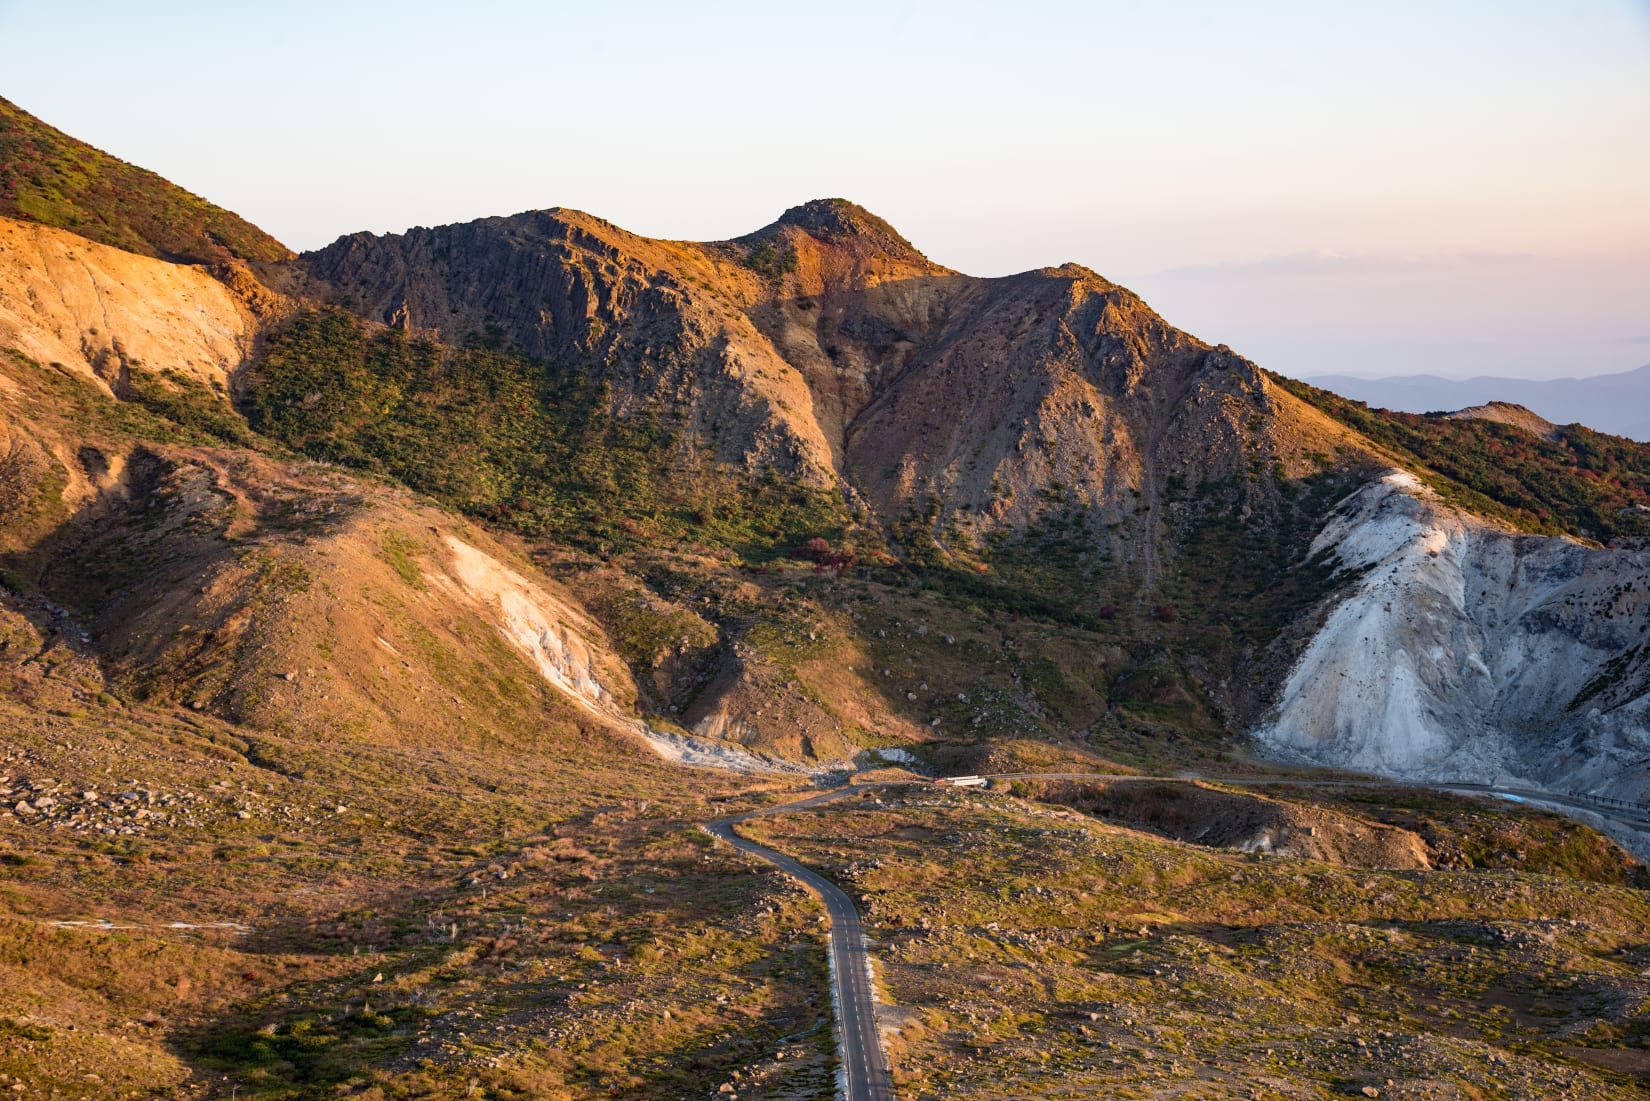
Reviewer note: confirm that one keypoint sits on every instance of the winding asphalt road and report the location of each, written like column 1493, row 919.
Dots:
column 864, row 1066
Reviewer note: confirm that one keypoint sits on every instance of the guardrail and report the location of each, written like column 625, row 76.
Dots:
column 1607, row 801
column 1604, row 802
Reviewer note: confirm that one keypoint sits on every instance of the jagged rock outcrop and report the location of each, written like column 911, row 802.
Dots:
column 1058, row 386
column 662, row 321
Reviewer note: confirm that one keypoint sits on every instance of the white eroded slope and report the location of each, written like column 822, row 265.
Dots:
column 548, row 631
column 1467, row 652
column 556, row 637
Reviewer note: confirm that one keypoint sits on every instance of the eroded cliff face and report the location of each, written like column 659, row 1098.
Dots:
column 550, row 631
column 1058, row 386
column 662, row 321
column 824, row 346
column 96, row 309
column 1467, row 652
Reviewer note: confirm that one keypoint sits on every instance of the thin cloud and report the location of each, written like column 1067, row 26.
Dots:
column 1497, row 259
column 1293, row 265
column 1324, row 265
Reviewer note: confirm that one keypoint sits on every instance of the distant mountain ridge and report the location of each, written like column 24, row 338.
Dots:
column 1618, row 403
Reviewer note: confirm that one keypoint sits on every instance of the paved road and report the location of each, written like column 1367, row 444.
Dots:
column 864, row 1067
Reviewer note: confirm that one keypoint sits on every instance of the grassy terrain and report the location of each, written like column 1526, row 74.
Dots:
column 1583, row 483
column 48, row 177
column 156, row 407
column 1029, row 951
column 471, row 926
column 423, row 876
column 1470, row 834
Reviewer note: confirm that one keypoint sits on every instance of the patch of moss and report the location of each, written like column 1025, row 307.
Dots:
column 399, row 550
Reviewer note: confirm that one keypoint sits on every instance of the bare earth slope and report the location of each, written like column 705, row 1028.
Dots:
column 291, row 597
column 96, row 309
column 563, row 286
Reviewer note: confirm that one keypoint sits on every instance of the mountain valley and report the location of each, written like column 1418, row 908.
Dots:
column 379, row 625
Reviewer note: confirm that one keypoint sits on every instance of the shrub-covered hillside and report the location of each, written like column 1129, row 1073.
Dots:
column 1581, row 483
column 48, row 177
column 526, row 445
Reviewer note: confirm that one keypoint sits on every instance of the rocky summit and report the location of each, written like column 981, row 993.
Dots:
column 380, row 625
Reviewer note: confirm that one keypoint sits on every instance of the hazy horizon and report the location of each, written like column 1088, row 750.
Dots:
column 1376, row 189
column 1469, row 378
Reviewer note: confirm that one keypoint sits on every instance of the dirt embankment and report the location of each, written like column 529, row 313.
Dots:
column 1248, row 823
column 97, row 310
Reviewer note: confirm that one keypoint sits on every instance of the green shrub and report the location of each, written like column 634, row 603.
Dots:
column 1581, row 483
column 533, row 447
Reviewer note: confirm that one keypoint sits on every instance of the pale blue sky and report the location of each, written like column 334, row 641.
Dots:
column 1453, row 187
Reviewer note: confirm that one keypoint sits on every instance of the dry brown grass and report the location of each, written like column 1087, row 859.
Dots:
column 1036, row 952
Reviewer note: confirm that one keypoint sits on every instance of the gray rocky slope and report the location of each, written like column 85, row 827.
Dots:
column 1463, row 651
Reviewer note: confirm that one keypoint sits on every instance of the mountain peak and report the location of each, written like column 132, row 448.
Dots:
column 843, row 225
column 836, row 218
column 1506, row 412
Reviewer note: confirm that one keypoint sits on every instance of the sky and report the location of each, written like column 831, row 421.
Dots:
column 1451, row 187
